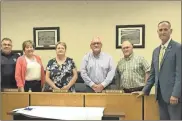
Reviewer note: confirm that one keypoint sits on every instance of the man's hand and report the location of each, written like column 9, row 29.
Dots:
column 139, row 93
column 99, row 88
column 94, row 87
column 173, row 100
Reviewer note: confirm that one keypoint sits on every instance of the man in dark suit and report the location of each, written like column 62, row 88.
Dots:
column 8, row 62
column 165, row 73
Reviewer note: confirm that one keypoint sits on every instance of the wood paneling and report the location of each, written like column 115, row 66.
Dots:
column 151, row 111
column 126, row 103
column 57, row 99
column 11, row 101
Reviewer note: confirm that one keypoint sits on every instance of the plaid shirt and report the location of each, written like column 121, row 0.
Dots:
column 130, row 72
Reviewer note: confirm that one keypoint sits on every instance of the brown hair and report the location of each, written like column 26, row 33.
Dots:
column 27, row 42
column 61, row 43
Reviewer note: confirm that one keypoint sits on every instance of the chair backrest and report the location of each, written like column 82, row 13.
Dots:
column 80, row 79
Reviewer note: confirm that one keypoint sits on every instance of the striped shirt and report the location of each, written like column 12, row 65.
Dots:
column 130, row 72
column 97, row 69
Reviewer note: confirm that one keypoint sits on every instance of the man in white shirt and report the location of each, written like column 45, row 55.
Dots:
column 97, row 68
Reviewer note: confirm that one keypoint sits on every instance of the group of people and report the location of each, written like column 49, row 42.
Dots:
column 97, row 69
column 132, row 74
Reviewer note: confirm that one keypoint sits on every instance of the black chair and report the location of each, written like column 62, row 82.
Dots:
column 79, row 85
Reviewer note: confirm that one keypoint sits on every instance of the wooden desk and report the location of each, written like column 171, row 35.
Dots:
column 116, row 103
column 121, row 115
column 56, row 99
column 11, row 101
column 126, row 106
column 150, row 108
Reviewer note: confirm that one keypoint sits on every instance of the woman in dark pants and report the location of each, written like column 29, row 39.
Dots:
column 29, row 73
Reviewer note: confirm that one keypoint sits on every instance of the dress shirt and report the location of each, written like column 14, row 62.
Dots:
column 97, row 69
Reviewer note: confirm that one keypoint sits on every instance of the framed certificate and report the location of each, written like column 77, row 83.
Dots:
column 45, row 38
column 133, row 33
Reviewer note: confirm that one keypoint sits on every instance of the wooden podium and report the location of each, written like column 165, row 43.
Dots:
column 56, row 99
column 151, row 111
column 117, row 103
column 125, row 106
column 11, row 101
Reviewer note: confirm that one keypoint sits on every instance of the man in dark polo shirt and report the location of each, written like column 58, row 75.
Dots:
column 8, row 63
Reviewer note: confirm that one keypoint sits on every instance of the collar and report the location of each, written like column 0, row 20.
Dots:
column 129, row 58
column 2, row 53
column 166, row 44
column 96, row 56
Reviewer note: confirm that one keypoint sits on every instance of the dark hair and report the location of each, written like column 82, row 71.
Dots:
column 6, row 39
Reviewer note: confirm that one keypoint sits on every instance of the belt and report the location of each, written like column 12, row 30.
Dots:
column 133, row 89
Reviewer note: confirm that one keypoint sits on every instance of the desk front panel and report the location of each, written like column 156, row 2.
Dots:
column 11, row 101
column 56, row 99
column 127, row 103
column 151, row 111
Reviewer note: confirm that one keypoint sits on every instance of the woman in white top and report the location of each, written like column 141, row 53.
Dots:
column 29, row 72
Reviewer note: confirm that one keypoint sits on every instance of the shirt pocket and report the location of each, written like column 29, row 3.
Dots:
column 104, row 66
column 90, row 66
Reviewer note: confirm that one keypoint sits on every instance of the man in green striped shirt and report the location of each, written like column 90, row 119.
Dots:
column 132, row 71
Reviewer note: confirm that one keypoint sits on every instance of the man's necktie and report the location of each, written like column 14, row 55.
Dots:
column 161, row 55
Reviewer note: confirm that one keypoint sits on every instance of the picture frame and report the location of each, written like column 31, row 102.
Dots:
column 133, row 33
column 45, row 38
column 19, row 52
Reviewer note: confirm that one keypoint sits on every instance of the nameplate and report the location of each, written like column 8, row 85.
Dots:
column 10, row 90
column 112, row 91
column 59, row 91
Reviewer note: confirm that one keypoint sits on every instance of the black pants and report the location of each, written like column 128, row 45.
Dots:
column 34, row 85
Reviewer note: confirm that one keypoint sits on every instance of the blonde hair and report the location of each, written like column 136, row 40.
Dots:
column 27, row 42
column 61, row 43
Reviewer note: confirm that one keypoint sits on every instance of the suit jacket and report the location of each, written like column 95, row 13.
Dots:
column 169, row 76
